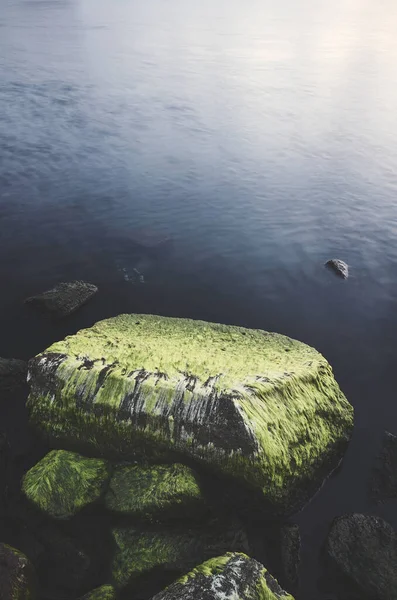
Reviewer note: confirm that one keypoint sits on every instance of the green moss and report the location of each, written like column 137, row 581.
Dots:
column 105, row 592
column 64, row 482
column 256, row 405
column 210, row 567
column 145, row 491
column 140, row 552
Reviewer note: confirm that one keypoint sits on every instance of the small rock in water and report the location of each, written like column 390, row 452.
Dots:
column 384, row 474
column 64, row 298
column 365, row 549
column 339, row 267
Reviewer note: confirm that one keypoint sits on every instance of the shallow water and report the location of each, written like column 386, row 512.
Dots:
column 261, row 137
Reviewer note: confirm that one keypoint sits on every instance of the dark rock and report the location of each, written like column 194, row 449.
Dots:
column 65, row 564
column 365, row 550
column 290, row 547
column 233, row 575
column 17, row 580
column 383, row 483
column 64, row 298
column 13, row 374
column 4, row 459
column 339, row 267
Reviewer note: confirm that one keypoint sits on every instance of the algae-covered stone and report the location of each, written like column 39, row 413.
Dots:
column 228, row 577
column 17, row 580
column 140, row 552
column 64, row 298
column 63, row 482
column 105, row 592
column 146, row 491
column 255, row 405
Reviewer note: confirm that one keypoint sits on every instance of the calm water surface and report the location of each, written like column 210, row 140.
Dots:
column 260, row 136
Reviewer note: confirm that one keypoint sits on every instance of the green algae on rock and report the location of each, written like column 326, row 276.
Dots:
column 154, row 490
column 227, row 577
column 17, row 579
column 254, row 405
column 105, row 592
column 140, row 552
column 63, row 482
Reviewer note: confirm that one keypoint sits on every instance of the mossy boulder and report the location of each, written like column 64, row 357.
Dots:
column 254, row 405
column 178, row 550
column 154, row 491
column 105, row 592
column 233, row 575
column 17, row 579
column 63, row 482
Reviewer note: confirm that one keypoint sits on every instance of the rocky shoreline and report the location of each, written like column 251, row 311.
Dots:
column 159, row 442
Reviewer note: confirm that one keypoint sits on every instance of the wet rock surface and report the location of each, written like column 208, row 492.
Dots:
column 64, row 299
column 233, row 575
column 383, row 484
column 339, row 267
column 364, row 548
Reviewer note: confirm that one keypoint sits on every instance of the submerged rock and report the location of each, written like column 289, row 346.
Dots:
column 13, row 374
column 257, row 406
column 365, row 550
column 105, row 592
column 63, row 482
column 233, row 575
column 17, row 580
column 64, row 298
column 156, row 490
column 339, row 267
column 141, row 552
column 290, row 545
column 384, row 474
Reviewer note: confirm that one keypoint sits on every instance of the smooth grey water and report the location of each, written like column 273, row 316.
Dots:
column 260, row 136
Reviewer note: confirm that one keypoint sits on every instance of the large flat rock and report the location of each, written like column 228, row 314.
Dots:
column 258, row 406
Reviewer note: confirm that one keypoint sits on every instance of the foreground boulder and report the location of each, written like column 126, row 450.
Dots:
column 64, row 298
column 105, row 592
column 383, row 483
column 63, row 482
column 254, row 405
column 17, row 581
column 154, row 491
column 365, row 550
column 233, row 575
column 177, row 550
